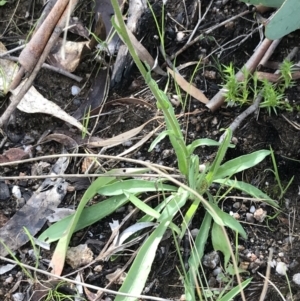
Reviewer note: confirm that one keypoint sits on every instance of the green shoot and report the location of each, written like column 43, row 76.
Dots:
column 286, row 69
column 277, row 177
column 85, row 123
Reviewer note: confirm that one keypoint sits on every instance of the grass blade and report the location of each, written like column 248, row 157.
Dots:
column 139, row 271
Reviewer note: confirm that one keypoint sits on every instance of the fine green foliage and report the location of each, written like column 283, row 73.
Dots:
column 273, row 98
column 237, row 92
column 285, row 20
column 243, row 92
column 286, row 69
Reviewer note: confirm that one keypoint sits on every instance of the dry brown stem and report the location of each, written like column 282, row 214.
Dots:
column 33, row 50
column 15, row 99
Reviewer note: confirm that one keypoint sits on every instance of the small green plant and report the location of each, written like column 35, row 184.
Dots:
column 273, row 98
column 192, row 192
column 237, row 92
column 85, row 123
column 286, row 69
column 241, row 92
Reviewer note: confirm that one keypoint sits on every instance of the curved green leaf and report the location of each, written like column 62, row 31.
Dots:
column 241, row 163
column 249, row 189
column 140, row 269
column 134, row 186
column 224, row 219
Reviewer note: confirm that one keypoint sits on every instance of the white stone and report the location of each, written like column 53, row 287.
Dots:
column 281, row 268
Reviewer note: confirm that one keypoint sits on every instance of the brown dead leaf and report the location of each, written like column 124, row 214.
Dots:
column 119, row 139
column 65, row 140
column 13, row 154
column 73, row 52
column 34, row 102
column 187, row 87
column 86, row 164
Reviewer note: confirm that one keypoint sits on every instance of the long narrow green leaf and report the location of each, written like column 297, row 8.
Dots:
column 196, row 256
column 141, row 205
column 224, row 219
column 219, row 157
column 139, row 270
column 241, row 163
column 89, row 216
column 235, row 291
column 249, row 189
column 134, row 186
column 204, row 142
column 219, row 244
column 160, row 137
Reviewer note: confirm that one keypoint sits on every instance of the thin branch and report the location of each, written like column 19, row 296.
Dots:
column 208, row 31
column 52, row 68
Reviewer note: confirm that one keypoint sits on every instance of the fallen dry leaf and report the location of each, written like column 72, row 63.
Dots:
column 63, row 139
column 13, row 154
column 8, row 70
column 188, row 87
column 70, row 59
column 119, row 139
column 34, row 102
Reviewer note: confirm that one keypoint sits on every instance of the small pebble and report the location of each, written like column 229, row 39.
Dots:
column 281, row 268
column 18, row 297
column 296, row 278
column 9, row 279
column 249, row 218
column 252, row 209
column 75, row 90
column 194, row 232
column 217, row 271
column 16, row 192
column 236, row 205
column 260, row 215
column 180, row 36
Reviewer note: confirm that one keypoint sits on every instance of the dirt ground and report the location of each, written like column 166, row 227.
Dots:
column 259, row 131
